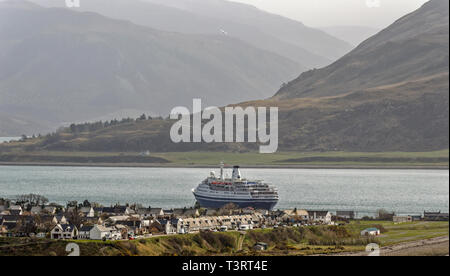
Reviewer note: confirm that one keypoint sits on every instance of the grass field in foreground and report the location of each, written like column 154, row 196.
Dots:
column 384, row 159
column 404, row 232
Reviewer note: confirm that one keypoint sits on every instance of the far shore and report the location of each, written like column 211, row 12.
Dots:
column 174, row 165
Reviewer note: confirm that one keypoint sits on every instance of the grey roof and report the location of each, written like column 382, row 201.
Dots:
column 318, row 213
column 86, row 228
column 103, row 228
column 67, row 227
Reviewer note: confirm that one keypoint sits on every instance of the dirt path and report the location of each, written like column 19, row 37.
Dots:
column 241, row 240
column 436, row 247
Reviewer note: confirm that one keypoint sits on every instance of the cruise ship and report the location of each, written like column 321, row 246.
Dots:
column 216, row 192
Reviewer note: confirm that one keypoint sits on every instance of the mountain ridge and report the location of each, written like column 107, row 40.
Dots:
column 383, row 57
column 81, row 65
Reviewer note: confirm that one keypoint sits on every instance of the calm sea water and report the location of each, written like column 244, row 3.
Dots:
column 403, row 191
column 8, row 139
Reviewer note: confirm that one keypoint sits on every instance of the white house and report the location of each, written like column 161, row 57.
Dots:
column 402, row 219
column 320, row 216
column 64, row 232
column 88, row 212
column 85, row 232
column 99, row 232
column 36, row 210
column 173, row 226
column 371, row 232
column 15, row 210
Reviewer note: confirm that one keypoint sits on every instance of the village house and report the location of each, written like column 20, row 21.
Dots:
column 114, row 219
column 191, row 225
column 402, row 219
column 173, row 226
column 156, row 227
column 22, row 220
column 61, row 219
column 50, row 210
column 191, row 213
column 137, row 227
column 93, row 220
column 144, row 212
column 168, row 213
column 156, row 212
column 435, row 216
column 85, row 232
column 124, row 232
column 186, row 213
column 87, row 212
column 114, row 211
column 100, row 232
column 36, row 210
column 15, row 210
column 64, row 232
column 48, row 222
column 295, row 216
column 322, row 217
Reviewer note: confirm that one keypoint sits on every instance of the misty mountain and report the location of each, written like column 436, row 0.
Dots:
column 291, row 39
column 59, row 66
column 352, row 34
column 415, row 46
column 288, row 30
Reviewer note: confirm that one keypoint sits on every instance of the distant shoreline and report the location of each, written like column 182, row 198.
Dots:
column 183, row 166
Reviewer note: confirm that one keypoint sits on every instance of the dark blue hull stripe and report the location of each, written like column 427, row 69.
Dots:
column 209, row 202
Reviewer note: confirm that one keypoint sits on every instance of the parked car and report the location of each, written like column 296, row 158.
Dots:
column 244, row 227
column 223, row 229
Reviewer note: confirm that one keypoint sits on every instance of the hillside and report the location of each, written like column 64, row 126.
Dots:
column 309, row 47
column 405, row 117
column 58, row 66
column 414, row 47
column 354, row 35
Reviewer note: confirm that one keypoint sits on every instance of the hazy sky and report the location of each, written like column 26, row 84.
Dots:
column 320, row 13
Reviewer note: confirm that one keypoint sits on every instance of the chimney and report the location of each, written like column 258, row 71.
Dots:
column 236, row 173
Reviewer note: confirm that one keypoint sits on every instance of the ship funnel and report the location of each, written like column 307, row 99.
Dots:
column 236, row 173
